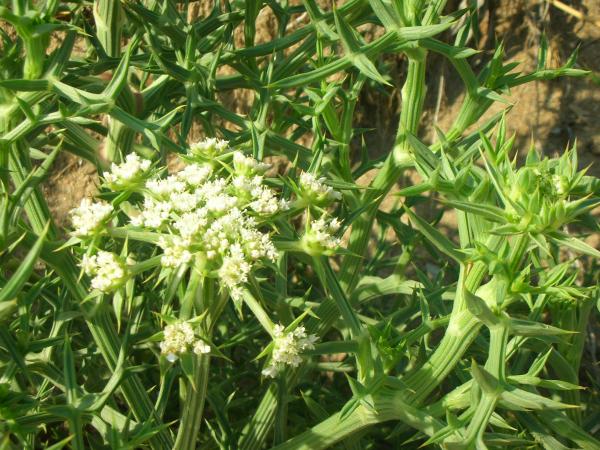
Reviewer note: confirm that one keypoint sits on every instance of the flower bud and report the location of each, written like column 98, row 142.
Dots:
column 287, row 349
column 128, row 174
column 247, row 166
column 315, row 192
column 89, row 217
column 209, row 148
column 109, row 271
column 320, row 239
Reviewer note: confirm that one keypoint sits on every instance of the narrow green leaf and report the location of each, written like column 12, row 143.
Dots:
column 441, row 242
column 22, row 274
column 520, row 400
column 574, row 244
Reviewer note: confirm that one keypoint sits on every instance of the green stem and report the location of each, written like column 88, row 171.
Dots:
column 495, row 365
column 108, row 16
column 281, row 413
column 108, row 19
column 413, row 96
column 496, row 362
column 76, row 426
column 387, row 406
column 191, row 418
column 480, row 419
column 192, row 290
column 195, row 393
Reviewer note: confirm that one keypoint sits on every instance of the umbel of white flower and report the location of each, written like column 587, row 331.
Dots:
column 127, row 173
column 89, row 217
column 287, row 349
column 248, row 166
column 209, row 147
column 209, row 216
column 315, row 191
column 109, row 272
column 179, row 338
column 319, row 237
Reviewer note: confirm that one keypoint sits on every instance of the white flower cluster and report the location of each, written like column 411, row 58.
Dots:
column 128, row 172
column 320, row 236
column 179, row 338
column 108, row 270
column 287, row 348
column 209, row 147
column 89, row 217
column 210, row 218
column 316, row 190
column 247, row 166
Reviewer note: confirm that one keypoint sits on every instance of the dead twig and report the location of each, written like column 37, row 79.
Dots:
column 573, row 12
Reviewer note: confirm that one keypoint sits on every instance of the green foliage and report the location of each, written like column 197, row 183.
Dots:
column 471, row 341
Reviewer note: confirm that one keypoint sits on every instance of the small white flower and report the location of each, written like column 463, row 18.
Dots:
column 209, row 147
column 194, row 174
column 320, row 237
column 316, row 190
column 191, row 223
column 184, row 201
column 177, row 339
column 201, row 347
column 136, row 219
column 221, row 203
column 271, row 371
column 287, row 349
column 235, row 269
column 246, row 165
column 128, row 171
column 266, row 201
column 284, row 204
column 258, row 245
column 165, row 187
column 88, row 217
column 108, row 270
column 154, row 214
column 175, row 251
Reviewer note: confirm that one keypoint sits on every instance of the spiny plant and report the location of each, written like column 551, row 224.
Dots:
column 205, row 299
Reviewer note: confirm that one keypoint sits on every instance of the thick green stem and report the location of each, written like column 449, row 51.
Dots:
column 495, row 365
column 496, row 362
column 387, row 406
column 413, row 96
column 191, row 418
column 461, row 331
column 35, row 54
column 108, row 15
column 195, row 392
